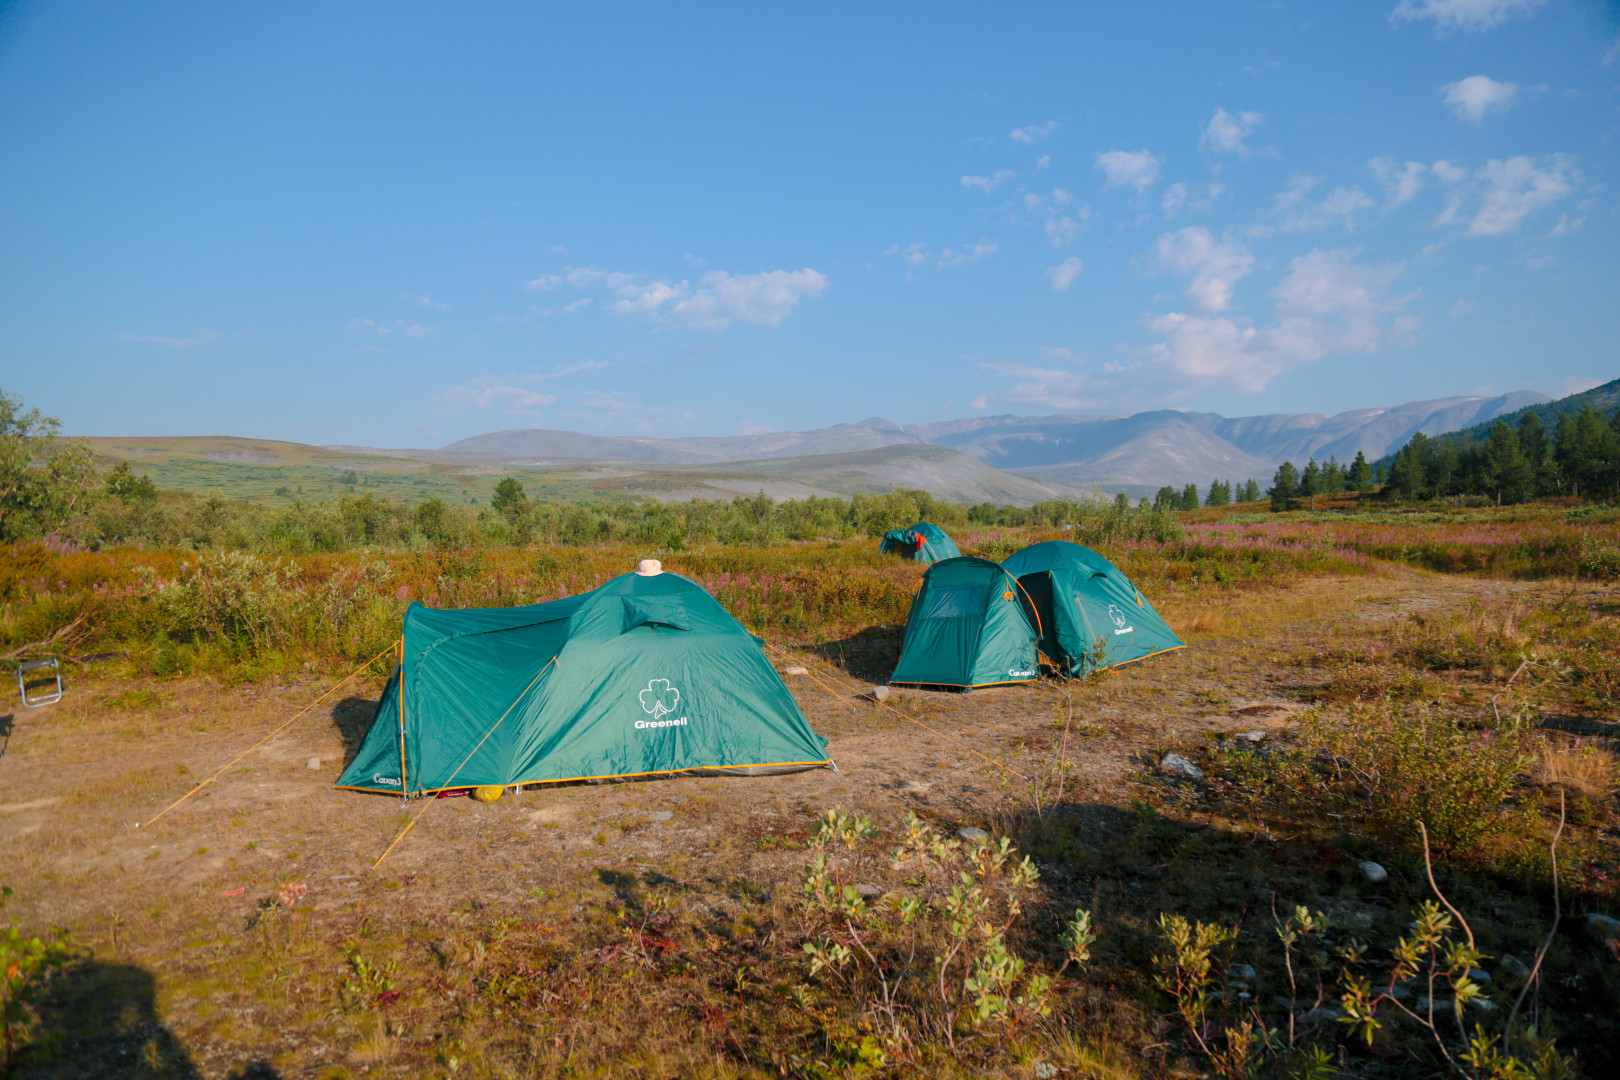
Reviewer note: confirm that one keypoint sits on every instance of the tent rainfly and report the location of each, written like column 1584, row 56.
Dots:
column 1089, row 614
column 967, row 628
column 646, row 674
column 923, row 542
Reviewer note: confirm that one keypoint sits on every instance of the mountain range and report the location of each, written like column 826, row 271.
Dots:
column 1065, row 451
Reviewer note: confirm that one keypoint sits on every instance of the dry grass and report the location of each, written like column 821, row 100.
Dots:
column 1579, row 766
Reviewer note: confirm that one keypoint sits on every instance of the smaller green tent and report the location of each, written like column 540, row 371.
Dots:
column 1089, row 614
column 645, row 674
column 967, row 628
column 923, row 542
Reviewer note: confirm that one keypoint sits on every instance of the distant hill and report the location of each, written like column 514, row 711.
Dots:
column 1604, row 399
column 546, row 446
column 266, row 471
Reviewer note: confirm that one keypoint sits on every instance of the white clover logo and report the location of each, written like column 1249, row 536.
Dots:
column 660, row 698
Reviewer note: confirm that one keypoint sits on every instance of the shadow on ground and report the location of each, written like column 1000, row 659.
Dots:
column 352, row 718
column 101, row 1020
column 869, row 656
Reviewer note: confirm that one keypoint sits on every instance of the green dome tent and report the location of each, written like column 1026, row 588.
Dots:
column 1080, row 598
column 643, row 675
column 923, row 542
column 967, row 628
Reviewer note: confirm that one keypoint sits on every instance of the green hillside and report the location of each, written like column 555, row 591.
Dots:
column 1604, row 399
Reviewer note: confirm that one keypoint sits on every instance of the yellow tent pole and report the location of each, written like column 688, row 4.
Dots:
column 399, row 655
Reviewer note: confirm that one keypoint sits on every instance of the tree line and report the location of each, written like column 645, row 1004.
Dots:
column 1580, row 457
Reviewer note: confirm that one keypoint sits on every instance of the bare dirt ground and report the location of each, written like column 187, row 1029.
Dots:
column 161, row 905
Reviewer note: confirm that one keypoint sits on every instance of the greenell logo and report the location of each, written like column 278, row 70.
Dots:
column 660, row 698
column 1121, row 626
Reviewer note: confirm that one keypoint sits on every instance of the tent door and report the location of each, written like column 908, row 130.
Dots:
column 1035, row 595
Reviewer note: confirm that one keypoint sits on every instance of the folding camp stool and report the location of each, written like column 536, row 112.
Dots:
column 47, row 698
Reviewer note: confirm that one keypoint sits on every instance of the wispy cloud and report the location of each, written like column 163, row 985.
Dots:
column 487, row 392
column 1401, row 180
column 1064, row 273
column 1138, row 169
column 1467, row 15
column 1224, row 132
column 1031, row 133
column 1473, row 97
column 424, row 302
column 717, row 300
column 1295, row 211
column 1518, row 187
column 1215, row 266
column 919, row 254
column 985, row 183
column 403, row 327
column 195, row 338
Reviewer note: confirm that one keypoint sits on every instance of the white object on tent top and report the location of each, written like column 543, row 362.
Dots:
column 650, row 568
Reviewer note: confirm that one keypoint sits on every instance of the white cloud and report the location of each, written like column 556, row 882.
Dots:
column 1449, row 172
column 1516, row 188
column 1034, row 132
column 1062, row 229
column 1463, row 14
column 1401, row 180
column 1461, row 308
column 1129, row 168
column 487, row 391
column 747, row 427
column 425, row 302
column 1294, row 211
column 1473, row 97
column 1225, row 132
column 1215, row 266
column 197, row 337
column 971, row 253
column 985, row 183
column 1326, row 303
column 718, row 299
column 1042, row 162
column 979, row 402
column 1064, row 273
column 398, row 326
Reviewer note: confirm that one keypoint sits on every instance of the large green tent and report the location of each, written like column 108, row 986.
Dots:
column 923, row 542
column 1080, row 599
column 642, row 675
column 967, row 628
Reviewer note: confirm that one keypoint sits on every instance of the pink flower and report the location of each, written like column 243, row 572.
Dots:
column 403, row 592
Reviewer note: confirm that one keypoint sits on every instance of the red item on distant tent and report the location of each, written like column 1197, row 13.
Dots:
column 458, row 793
column 235, row 892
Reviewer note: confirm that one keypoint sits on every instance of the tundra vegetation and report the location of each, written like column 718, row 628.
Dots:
column 1401, row 857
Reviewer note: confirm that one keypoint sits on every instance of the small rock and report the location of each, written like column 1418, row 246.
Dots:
column 1401, row 993
column 970, row 834
column 313, row 763
column 1177, row 765
column 798, row 671
column 915, row 787
column 1479, row 976
column 663, row 815
column 1322, row 1015
column 1249, row 736
column 1441, row 1006
column 1602, row 928
column 880, row 693
column 1483, row 1004
column 1515, row 968
column 869, row 892
column 1375, row 873
column 1240, row 971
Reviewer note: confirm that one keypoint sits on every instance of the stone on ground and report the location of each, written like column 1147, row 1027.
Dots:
column 798, row 671
column 1374, row 873
column 313, row 763
column 971, row 834
column 881, row 693
column 1177, row 765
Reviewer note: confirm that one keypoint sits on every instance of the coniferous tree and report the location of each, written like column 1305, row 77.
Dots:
column 1508, row 468
column 508, row 497
column 1442, row 477
column 1284, row 490
column 1251, row 490
column 1122, row 502
column 1168, row 498
column 1220, row 493
column 1533, row 440
column 1361, row 474
column 1189, row 497
column 1310, row 482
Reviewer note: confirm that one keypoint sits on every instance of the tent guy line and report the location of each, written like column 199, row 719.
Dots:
column 427, row 802
column 357, row 671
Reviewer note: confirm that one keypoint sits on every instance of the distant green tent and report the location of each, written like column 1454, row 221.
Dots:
column 967, row 628
column 1078, row 598
column 643, row 675
column 923, row 542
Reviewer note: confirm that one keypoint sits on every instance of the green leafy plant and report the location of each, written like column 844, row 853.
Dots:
column 25, row 963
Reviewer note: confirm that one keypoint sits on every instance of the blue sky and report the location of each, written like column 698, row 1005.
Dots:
column 402, row 224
